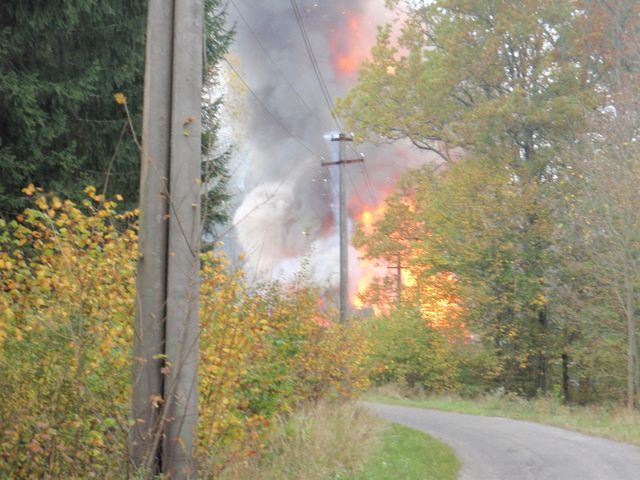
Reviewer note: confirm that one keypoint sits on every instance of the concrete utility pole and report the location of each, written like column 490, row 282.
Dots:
column 164, row 403
column 343, row 222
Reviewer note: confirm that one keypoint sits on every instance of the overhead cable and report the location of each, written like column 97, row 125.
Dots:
column 275, row 65
column 315, row 65
column 271, row 114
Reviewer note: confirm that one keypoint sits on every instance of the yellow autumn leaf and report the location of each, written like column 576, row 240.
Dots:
column 29, row 190
column 120, row 98
column 41, row 202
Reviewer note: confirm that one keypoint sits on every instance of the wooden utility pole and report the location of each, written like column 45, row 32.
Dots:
column 164, row 387
column 398, row 269
column 343, row 222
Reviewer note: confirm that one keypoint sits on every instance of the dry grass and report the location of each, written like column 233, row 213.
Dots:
column 330, row 440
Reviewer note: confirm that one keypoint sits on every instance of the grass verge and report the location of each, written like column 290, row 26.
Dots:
column 329, row 440
column 340, row 441
column 408, row 454
column 610, row 421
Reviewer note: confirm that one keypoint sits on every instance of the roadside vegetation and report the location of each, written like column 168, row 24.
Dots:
column 67, row 299
column 323, row 441
column 410, row 455
column 340, row 441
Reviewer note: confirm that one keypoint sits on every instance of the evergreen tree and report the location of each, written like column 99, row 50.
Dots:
column 60, row 65
column 214, row 169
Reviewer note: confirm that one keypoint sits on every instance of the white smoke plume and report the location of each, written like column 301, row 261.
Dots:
column 286, row 201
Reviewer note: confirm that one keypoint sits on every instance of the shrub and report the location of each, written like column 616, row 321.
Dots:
column 409, row 352
column 67, row 298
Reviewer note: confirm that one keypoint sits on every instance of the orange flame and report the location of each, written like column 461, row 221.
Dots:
column 436, row 295
column 370, row 216
column 320, row 317
column 368, row 269
column 440, row 305
column 350, row 46
column 408, row 278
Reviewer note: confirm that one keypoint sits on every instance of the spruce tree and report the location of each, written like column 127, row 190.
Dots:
column 60, row 65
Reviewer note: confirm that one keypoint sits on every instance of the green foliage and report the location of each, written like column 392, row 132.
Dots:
column 474, row 74
column 599, row 236
column 494, row 89
column 494, row 232
column 408, row 352
column 60, row 66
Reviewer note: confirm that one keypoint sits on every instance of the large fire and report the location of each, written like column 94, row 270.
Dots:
column 350, row 45
column 374, row 284
column 435, row 294
column 368, row 270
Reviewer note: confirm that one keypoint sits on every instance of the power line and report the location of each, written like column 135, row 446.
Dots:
column 314, row 63
column 365, row 173
column 355, row 189
column 275, row 65
column 271, row 114
column 372, row 191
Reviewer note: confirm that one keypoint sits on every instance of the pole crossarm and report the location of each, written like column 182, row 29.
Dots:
column 340, row 162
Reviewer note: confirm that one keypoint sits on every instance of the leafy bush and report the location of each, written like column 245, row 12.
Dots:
column 264, row 351
column 407, row 351
column 67, row 298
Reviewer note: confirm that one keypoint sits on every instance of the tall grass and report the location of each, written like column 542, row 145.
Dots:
column 328, row 440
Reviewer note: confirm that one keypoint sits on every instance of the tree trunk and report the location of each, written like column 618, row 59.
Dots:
column 566, row 394
column 632, row 347
column 542, row 373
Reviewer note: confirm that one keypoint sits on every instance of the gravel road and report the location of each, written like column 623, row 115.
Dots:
column 492, row 448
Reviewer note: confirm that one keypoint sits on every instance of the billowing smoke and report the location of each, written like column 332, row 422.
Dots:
column 286, row 211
